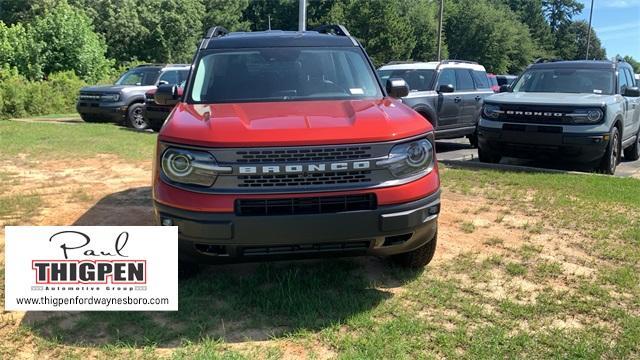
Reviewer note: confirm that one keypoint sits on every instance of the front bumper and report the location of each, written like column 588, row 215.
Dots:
column 208, row 237
column 106, row 112
column 537, row 140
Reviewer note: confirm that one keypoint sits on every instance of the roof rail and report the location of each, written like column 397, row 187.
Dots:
column 396, row 62
column 449, row 61
column 334, row 29
column 216, row 31
column 213, row 32
column 150, row 64
column 545, row 60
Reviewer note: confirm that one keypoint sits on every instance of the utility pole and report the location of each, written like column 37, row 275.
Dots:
column 302, row 15
column 589, row 32
column 440, row 30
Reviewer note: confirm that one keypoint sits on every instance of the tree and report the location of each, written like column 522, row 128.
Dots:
column 489, row 34
column 561, row 12
column 423, row 17
column 226, row 13
column 572, row 42
column 633, row 62
column 531, row 13
column 68, row 43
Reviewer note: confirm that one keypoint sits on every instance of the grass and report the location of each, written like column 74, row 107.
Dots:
column 42, row 141
column 501, row 304
column 57, row 116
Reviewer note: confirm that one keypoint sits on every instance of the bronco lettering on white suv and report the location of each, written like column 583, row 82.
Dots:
column 586, row 111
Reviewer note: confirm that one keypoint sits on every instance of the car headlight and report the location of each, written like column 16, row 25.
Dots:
column 191, row 167
column 410, row 159
column 110, row 97
column 586, row 116
column 491, row 111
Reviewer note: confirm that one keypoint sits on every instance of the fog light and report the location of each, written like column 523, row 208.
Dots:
column 166, row 222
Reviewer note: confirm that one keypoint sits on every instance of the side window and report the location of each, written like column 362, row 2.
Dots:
column 171, row 77
column 622, row 80
column 481, row 80
column 464, row 80
column 447, row 77
column 630, row 79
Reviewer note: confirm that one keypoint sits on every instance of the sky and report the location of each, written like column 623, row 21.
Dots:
column 617, row 23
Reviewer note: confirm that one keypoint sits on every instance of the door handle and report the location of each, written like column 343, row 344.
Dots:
column 457, row 99
column 478, row 98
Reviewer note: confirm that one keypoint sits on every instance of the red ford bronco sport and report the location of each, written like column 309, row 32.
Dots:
column 288, row 144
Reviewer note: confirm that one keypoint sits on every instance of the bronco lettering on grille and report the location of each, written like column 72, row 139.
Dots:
column 302, row 168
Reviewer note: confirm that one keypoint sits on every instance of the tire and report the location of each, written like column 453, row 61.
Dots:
column 473, row 139
column 611, row 156
column 187, row 270
column 136, row 118
column 632, row 153
column 419, row 257
column 488, row 156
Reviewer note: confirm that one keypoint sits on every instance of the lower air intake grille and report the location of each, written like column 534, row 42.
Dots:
column 308, row 205
column 358, row 246
column 327, row 178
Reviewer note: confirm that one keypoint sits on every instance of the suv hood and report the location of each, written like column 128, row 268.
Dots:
column 533, row 98
column 292, row 123
column 115, row 89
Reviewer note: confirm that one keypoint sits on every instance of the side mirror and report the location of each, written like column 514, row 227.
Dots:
column 167, row 95
column 397, row 88
column 631, row 91
column 504, row 88
column 446, row 88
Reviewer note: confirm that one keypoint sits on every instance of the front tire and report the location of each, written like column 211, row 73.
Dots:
column 632, row 153
column 611, row 157
column 136, row 118
column 419, row 257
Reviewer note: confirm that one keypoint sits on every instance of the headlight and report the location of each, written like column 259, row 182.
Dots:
column 586, row 116
column 110, row 97
column 491, row 111
column 410, row 159
column 191, row 167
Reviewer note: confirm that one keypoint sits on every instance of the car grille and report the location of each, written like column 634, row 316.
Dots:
column 353, row 246
column 534, row 114
column 313, row 154
column 312, row 179
column 90, row 96
column 307, row 205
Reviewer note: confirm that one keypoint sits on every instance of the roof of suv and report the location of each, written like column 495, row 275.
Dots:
column 433, row 65
column 165, row 66
column 581, row 64
column 279, row 38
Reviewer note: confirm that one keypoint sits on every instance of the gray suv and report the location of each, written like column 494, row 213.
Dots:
column 447, row 93
column 123, row 101
column 585, row 111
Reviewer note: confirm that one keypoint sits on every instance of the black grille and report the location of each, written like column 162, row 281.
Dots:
column 309, row 179
column 313, row 154
column 305, row 248
column 536, row 114
column 308, row 205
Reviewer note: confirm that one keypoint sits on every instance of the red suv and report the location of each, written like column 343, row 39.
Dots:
column 288, row 144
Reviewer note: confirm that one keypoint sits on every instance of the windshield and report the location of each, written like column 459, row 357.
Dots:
column 575, row 81
column 278, row 74
column 418, row 80
column 139, row 76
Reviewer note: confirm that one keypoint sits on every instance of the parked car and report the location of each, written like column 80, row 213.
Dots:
column 505, row 80
column 448, row 94
column 286, row 143
column 155, row 114
column 493, row 81
column 122, row 102
column 586, row 111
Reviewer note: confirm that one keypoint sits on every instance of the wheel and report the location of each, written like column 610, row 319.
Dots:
column 88, row 118
column 611, row 157
column 473, row 139
column 488, row 156
column 187, row 269
column 419, row 257
column 136, row 120
column 632, row 153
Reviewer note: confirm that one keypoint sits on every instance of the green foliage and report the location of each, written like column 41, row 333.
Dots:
column 634, row 63
column 571, row 42
column 489, row 34
column 20, row 97
column 560, row 12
